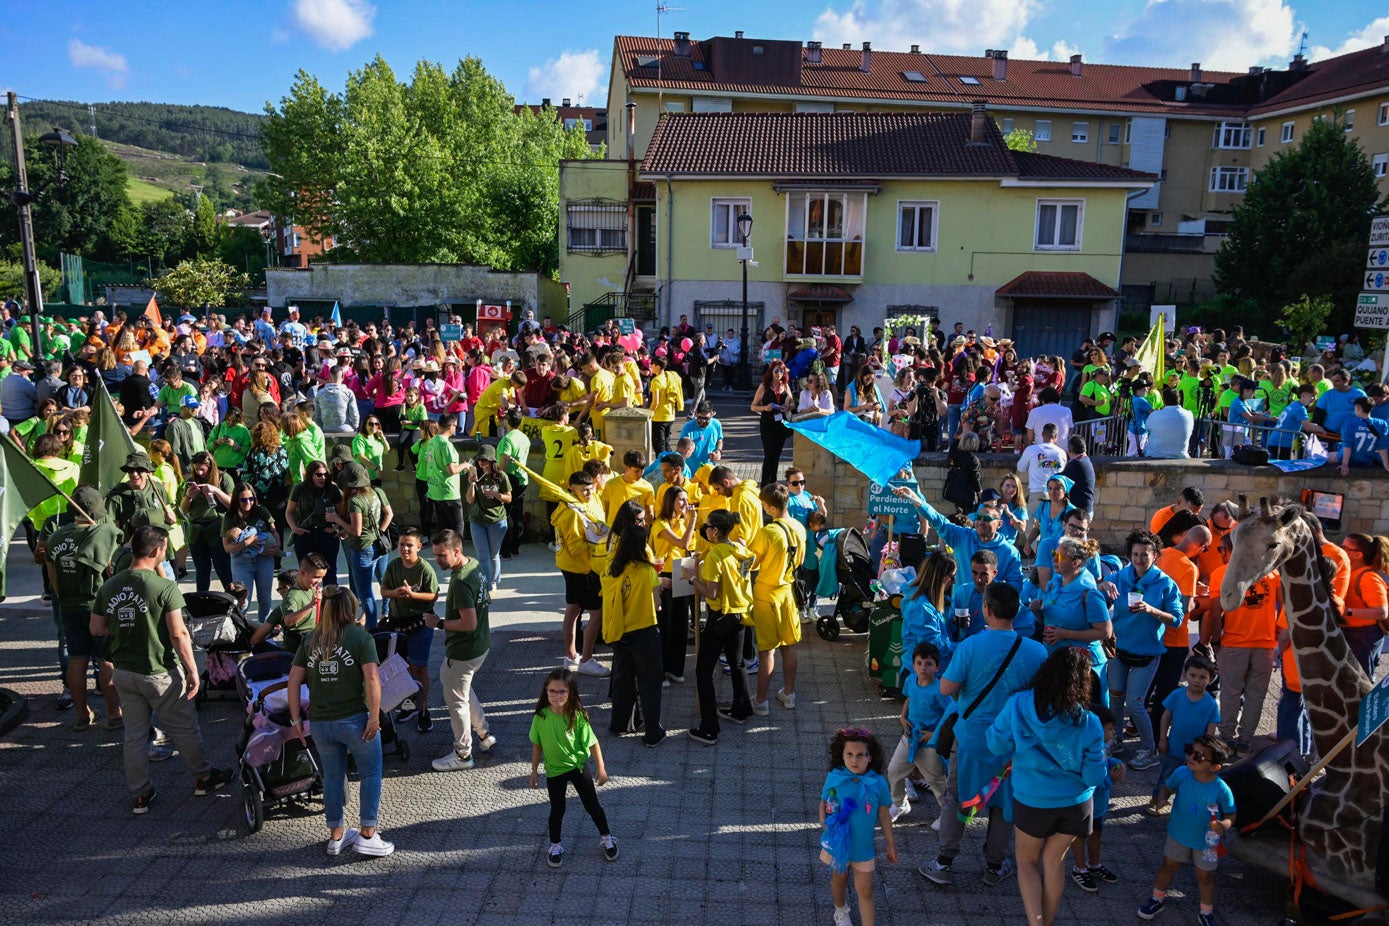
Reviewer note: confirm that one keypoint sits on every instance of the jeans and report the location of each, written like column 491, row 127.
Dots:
column 637, row 673
column 952, row 420
column 1362, row 642
column 143, row 696
column 1244, row 671
column 319, row 541
column 205, row 547
column 257, row 573
column 487, row 539
column 1129, row 685
column 335, row 739
column 361, row 571
column 515, row 519
column 1292, row 719
column 927, row 762
column 557, row 786
column 723, row 636
column 674, row 621
column 466, row 714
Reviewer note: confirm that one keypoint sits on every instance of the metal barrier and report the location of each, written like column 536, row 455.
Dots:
column 1213, row 436
column 1104, row 437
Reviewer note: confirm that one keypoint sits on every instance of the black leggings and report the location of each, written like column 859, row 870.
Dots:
column 774, row 437
column 558, row 786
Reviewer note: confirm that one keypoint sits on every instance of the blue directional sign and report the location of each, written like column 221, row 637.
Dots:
column 1378, row 259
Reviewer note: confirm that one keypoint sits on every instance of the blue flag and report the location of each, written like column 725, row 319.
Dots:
column 337, row 314
column 876, row 453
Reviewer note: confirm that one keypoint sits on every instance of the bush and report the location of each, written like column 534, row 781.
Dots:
column 1225, row 312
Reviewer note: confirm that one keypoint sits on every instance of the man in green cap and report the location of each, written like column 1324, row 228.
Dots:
column 185, row 434
column 139, row 500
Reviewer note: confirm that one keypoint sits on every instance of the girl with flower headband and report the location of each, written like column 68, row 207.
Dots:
column 854, row 799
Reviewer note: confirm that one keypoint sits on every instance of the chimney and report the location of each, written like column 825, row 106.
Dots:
column 631, row 129
column 738, row 34
column 988, row 53
column 1075, row 65
column 916, row 49
column 544, row 102
column 1298, row 63
column 682, row 44
column 1000, row 64
column 866, row 66
column 1384, row 49
column 565, row 102
column 979, row 123
column 847, row 46
column 1255, row 71
column 812, row 52
column 1195, row 75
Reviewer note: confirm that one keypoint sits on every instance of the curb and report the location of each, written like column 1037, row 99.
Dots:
column 16, row 708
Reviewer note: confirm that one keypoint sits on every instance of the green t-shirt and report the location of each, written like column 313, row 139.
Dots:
column 412, row 415
column 466, row 590
column 203, row 510
column 296, row 599
column 373, row 450
column 230, row 456
column 1222, row 405
column 487, row 508
column 443, row 487
column 516, row 445
column 311, row 505
column 1101, row 395
column 1278, row 399
column 337, row 687
column 23, row 344
column 1322, row 385
column 129, row 508
column 134, row 602
column 172, row 396
column 565, row 750
column 369, row 507
column 422, row 578
column 80, row 555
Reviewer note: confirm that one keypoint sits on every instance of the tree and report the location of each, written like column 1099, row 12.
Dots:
column 202, row 237
column 1305, row 319
column 73, row 216
column 1020, row 140
column 1302, row 228
column 200, row 282
column 440, row 169
column 12, row 280
column 165, row 229
column 244, row 249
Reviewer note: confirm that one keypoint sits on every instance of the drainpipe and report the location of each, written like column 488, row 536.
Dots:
column 670, row 249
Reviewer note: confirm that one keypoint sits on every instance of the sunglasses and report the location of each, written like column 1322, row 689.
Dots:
column 797, row 482
column 62, row 431
column 247, row 499
column 1193, row 753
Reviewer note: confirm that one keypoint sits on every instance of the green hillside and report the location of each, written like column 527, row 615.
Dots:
column 201, row 133
column 158, row 173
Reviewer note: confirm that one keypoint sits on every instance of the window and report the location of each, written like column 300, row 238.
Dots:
column 1229, row 179
column 1232, row 135
column 814, row 107
column 723, row 222
column 1384, row 113
column 570, row 123
column 675, row 106
column 915, row 77
column 1155, row 219
column 971, row 81
column 1043, row 132
column 1260, row 136
column 1059, row 224
column 1115, row 129
column 1350, row 120
column 1128, row 132
column 1381, row 165
column 597, row 225
column 712, row 104
column 1007, row 126
column 824, row 233
column 916, row 226
column 1287, row 134
column 1167, row 130
column 1080, row 131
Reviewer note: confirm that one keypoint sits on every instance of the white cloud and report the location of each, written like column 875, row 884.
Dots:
column 1225, row 35
column 1373, row 34
column 83, row 55
column 574, row 74
column 336, row 25
column 942, row 26
column 1061, row 50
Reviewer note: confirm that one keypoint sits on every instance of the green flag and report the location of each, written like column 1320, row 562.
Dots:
column 108, row 442
column 23, row 486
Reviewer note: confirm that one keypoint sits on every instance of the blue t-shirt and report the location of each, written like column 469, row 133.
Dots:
column 1190, row 719
column 869, row 791
column 1006, row 528
column 922, row 623
column 1289, row 425
column 925, row 705
column 1191, row 803
column 1339, row 407
column 1240, row 409
column 1380, row 411
column 1142, row 408
column 1100, row 799
column 1047, row 526
column 974, row 664
column 1076, row 606
column 800, row 506
column 706, row 440
column 1364, row 437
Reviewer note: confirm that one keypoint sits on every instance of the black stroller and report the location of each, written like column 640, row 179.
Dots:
column 853, row 567
column 220, row 628
column 275, row 767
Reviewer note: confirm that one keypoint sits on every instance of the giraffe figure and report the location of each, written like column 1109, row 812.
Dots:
column 1340, row 820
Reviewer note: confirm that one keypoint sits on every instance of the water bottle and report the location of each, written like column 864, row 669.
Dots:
column 1211, row 853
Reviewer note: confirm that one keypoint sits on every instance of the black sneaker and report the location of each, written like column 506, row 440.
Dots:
column 555, row 857
column 407, row 711
column 214, row 780
column 708, row 739
column 726, row 713
column 653, row 743
column 424, row 723
column 142, row 802
column 1102, row 873
column 610, row 848
column 1082, row 877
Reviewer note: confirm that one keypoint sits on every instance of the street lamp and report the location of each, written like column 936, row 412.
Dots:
column 745, row 257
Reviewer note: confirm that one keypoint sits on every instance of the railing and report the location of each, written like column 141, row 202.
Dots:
column 640, row 307
column 1215, row 439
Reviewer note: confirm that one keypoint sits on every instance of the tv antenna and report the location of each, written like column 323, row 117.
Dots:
column 661, row 7
column 1302, row 47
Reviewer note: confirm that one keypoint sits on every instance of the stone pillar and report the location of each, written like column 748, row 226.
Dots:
column 627, row 429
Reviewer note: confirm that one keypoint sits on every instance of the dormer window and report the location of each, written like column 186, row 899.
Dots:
column 970, row 81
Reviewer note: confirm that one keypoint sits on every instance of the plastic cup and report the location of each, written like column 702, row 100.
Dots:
column 962, row 614
column 1135, row 599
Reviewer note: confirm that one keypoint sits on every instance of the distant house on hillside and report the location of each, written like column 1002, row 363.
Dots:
column 593, row 119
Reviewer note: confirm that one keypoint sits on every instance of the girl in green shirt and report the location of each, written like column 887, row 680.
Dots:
column 562, row 735
column 413, row 414
column 369, row 447
column 424, row 467
column 230, row 442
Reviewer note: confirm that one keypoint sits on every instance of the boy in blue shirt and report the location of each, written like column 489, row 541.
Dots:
column 1089, row 873
column 1364, row 440
column 1291, row 423
column 922, row 713
column 1188, row 712
column 707, row 433
column 1141, row 407
column 1203, row 806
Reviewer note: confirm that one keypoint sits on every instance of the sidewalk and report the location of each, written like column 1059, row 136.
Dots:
column 720, row 835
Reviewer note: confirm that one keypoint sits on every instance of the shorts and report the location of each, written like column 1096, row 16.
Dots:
column 774, row 618
column 856, row 866
column 1044, row 822
column 1182, row 854
column 582, row 589
column 81, row 643
column 417, row 646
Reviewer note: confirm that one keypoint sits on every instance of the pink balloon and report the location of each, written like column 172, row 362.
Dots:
column 630, row 341
column 686, row 343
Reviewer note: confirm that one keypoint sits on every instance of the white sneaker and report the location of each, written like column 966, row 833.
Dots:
column 335, row 846
column 594, row 667
column 452, row 762
column 675, row 679
column 897, row 811
column 665, row 683
column 787, row 701
column 841, row 917
column 936, row 825
column 554, row 546
column 761, row 708
column 571, row 664
column 373, row 846
column 912, row 793
column 487, row 742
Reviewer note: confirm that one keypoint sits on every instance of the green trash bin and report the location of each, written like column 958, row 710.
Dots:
column 884, row 657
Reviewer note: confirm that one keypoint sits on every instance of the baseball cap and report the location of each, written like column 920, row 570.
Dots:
column 191, row 401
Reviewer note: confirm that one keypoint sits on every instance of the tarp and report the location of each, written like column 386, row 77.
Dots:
column 876, row 453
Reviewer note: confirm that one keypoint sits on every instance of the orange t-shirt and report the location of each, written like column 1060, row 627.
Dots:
column 1367, row 590
column 1291, row 677
column 1340, row 582
column 1161, row 518
column 1178, row 567
column 1211, row 560
column 1251, row 625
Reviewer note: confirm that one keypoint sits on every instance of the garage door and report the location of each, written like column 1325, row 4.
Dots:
column 1049, row 329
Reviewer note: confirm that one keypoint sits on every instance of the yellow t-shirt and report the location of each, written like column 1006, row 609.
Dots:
column 490, row 402
column 693, row 493
column 667, row 396
column 708, row 501
column 583, row 537
column 618, row 491
column 601, row 386
column 662, row 546
column 573, row 391
column 557, row 438
column 577, row 455
column 772, row 559
column 722, row 564
column 629, row 601
column 623, row 389
column 746, row 502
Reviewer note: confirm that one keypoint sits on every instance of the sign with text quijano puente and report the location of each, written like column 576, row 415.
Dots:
column 1372, row 310
column 881, row 503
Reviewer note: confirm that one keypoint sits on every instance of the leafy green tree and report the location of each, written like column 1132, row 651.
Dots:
column 12, row 280
column 1303, row 226
column 202, row 238
column 73, row 216
column 200, row 282
column 1306, row 318
column 439, row 169
column 244, row 249
column 1020, row 140
column 165, row 231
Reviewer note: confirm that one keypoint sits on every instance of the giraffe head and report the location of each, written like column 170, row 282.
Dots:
column 1262, row 543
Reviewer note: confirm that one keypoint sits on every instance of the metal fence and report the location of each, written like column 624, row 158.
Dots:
column 1211, row 438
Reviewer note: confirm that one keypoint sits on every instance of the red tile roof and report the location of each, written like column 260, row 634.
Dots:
column 1036, row 284
column 1345, row 75
column 820, row 292
column 1101, row 87
column 849, row 146
column 643, row 192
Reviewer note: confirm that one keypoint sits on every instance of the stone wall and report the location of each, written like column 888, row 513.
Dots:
column 409, row 285
column 1127, row 491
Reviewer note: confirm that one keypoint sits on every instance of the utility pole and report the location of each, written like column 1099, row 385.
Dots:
column 32, row 287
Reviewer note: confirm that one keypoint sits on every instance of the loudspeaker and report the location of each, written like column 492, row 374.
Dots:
column 1263, row 779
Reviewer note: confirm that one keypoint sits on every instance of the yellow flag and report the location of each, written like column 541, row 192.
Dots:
column 561, row 494
column 1152, row 353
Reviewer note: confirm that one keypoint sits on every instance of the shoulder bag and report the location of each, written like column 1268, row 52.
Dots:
column 945, row 735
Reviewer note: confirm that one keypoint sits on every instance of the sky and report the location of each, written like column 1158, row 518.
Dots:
column 244, row 53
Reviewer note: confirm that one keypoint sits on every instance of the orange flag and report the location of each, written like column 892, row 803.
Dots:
column 152, row 310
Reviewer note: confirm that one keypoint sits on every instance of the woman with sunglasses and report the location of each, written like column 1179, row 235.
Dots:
column 1072, row 611
column 816, row 399
column 205, row 498
column 249, row 537
column 369, row 447
column 63, row 429
column 771, row 403
column 306, row 513
column 863, row 398
column 75, row 394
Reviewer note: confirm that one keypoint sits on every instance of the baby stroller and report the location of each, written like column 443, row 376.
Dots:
column 397, row 684
column 275, row 767
column 853, row 567
column 219, row 627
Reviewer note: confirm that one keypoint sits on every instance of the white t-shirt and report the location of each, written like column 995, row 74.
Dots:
column 1169, row 433
column 1054, row 413
column 1039, row 463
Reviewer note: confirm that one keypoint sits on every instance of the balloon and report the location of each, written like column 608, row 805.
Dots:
column 686, row 343
column 630, row 341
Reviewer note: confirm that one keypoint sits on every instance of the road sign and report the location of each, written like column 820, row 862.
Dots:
column 1379, row 231
column 1372, row 310
column 1374, row 711
column 1378, row 259
column 451, row 332
column 1376, row 280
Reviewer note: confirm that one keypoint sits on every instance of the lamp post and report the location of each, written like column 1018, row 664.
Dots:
column 745, row 257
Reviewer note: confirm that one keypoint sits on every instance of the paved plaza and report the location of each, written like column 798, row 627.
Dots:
column 719, row 835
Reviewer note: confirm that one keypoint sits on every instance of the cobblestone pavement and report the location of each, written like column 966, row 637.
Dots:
column 718, row 835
